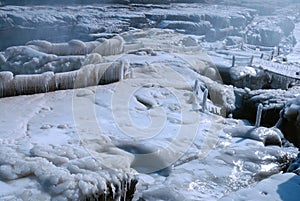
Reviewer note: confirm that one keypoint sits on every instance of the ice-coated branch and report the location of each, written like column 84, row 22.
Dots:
column 204, row 105
column 258, row 115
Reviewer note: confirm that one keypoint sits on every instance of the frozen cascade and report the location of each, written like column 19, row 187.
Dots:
column 5, row 82
column 114, row 72
column 65, row 80
column 61, row 65
column 30, row 84
column 88, row 75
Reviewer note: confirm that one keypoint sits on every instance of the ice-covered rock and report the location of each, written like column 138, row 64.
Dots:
column 273, row 101
column 268, row 31
column 290, row 122
column 295, row 166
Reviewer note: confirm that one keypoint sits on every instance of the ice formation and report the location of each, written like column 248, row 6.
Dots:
column 62, row 173
column 295, row 166
column 73, row 47
column 290, row 121
column 58, row 67
column 111, row 46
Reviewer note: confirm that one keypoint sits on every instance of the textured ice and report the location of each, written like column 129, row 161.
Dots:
column 63, row 172
column 56, row 72
column 277, row 187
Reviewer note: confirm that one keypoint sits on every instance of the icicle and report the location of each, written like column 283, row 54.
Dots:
column 5, row 83
column 196, row 87
column 233, row 61
column 113, row 190
column 204, row 104
column 121, row 71
column 251, row 61
column 125, row 190
column 258, row 115
column 112, row 73
column 1, row 89
column 65, row 80
column 280, row 118
column 30, row 84
column 272, row 55
column 262, row 56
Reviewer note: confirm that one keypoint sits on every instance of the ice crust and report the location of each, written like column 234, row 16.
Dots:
column 63, row 172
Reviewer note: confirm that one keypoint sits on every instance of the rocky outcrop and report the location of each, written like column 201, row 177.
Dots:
column 87, row 22
column 273, row 101
column 268, row 31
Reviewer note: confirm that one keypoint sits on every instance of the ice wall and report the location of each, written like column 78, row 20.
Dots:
column 41, row 66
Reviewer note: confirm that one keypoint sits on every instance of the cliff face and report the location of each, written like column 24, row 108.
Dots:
column 88, row 21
